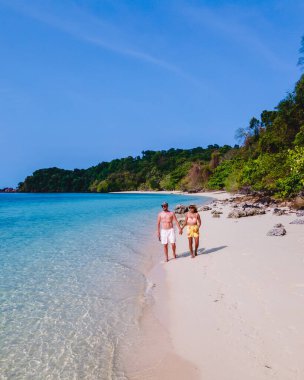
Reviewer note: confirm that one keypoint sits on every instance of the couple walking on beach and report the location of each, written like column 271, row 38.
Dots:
column 166, row 233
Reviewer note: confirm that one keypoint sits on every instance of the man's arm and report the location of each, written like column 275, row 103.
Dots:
column 158, row 226
column 176, row 221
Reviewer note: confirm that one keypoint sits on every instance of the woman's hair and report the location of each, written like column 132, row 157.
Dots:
column 194, row 207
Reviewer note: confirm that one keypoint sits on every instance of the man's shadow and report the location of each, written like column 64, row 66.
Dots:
column 203, row 251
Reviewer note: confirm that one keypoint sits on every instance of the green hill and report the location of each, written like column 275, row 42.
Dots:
column 270, row 159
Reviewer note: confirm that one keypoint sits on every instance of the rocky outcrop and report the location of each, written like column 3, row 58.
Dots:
column 240, row 213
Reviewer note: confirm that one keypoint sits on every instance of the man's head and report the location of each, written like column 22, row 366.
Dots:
column 164, row 206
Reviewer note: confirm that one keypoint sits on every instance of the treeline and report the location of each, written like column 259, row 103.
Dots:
column 270, row 158
column 153, row 170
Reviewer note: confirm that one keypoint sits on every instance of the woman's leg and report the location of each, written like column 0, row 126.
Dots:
column 190, row 239
column 173, row 245
column 196, row 242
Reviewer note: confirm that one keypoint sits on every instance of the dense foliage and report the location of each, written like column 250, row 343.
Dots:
column 271, row 159
column 272, row 154
column 154, row 170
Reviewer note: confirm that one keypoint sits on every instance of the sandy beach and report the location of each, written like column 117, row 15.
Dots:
column 236, row 311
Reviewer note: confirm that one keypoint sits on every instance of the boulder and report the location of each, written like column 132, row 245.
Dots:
column 297, row 221
column 204, row 208
column 254, row 211
column 298, row 202
column 279, row 212
column 216, row 212
column 238, row 213
column 246, row 205
column 180, row 209
column 277, row 230
column 278, row 225
column 266, row 200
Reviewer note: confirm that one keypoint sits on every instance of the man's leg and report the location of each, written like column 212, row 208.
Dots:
column 174, row 249
column 196, row 240
column 190, row 240
column 166, row 252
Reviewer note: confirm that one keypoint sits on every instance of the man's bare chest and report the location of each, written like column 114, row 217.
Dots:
column 166, row 217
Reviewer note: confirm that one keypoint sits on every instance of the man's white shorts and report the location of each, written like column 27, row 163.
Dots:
column 167, row 236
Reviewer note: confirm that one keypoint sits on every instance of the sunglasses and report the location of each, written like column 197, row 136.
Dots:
column 163, row 206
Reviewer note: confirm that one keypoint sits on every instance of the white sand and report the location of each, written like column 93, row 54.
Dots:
column 237, row 310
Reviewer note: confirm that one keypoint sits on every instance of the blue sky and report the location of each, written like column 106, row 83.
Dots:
column 87, row 81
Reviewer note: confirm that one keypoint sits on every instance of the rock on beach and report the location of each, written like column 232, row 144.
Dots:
column 277, row 230
column 297, row 221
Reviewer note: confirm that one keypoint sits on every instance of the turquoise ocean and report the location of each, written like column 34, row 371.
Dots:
column 72, row 276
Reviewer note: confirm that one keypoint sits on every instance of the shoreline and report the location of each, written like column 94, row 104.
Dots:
column 155, row 355
column 238, row 302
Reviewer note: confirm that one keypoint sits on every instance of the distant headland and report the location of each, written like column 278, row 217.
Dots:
column 8, row 190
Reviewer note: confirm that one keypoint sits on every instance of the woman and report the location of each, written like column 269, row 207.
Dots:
column 193, row 223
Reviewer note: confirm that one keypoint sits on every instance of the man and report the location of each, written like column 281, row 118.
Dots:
column 165, row 229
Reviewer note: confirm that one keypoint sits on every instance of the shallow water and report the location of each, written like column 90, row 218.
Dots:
column 72, row 281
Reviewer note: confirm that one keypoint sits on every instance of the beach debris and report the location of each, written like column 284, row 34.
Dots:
column 300, row 213
column 297, row 221
column 277, row 230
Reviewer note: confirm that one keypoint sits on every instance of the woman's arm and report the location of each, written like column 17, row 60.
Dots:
column 199, row 221
column 176, row 221
column 185, row 221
